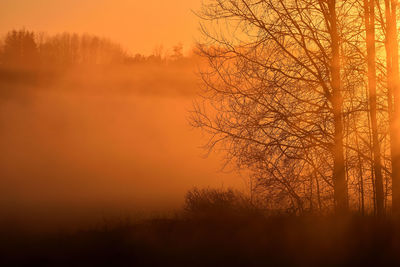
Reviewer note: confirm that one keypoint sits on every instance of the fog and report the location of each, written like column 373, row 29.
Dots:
column 97, row 143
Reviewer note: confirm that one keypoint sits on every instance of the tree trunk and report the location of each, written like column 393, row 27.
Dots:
column 369, row 18
column 339, row 178
column 393, row 100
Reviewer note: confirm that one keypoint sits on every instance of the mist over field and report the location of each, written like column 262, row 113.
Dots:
column 94, row 142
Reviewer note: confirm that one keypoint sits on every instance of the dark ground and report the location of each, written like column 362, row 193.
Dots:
column 213, row 241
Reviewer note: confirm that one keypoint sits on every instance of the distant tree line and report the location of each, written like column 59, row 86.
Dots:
column 29, row 50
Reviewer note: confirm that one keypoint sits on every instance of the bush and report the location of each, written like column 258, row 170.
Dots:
column 211, row 202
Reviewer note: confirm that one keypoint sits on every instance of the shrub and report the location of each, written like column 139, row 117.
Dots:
column 211, row 202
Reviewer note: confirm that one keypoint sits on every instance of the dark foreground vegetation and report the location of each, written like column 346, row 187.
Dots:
column 214, row 232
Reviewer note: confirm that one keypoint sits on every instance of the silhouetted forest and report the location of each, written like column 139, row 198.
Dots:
column 24, row 49
column 42, row 60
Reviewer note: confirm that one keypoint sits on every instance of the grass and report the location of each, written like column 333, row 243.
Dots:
column 225, row 240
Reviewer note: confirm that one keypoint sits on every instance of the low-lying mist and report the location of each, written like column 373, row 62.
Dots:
column 96, row 142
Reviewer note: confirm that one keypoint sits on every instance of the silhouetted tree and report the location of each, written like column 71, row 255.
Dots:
column 276, row 84
column 393, row 95
column 369, row 17
column 20, row 49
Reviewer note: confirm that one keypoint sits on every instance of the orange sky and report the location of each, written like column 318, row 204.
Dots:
column 138, row 25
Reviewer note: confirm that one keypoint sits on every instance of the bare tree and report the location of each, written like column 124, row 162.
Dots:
column 393, row 98
column 274, row 94
column 369, row 18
